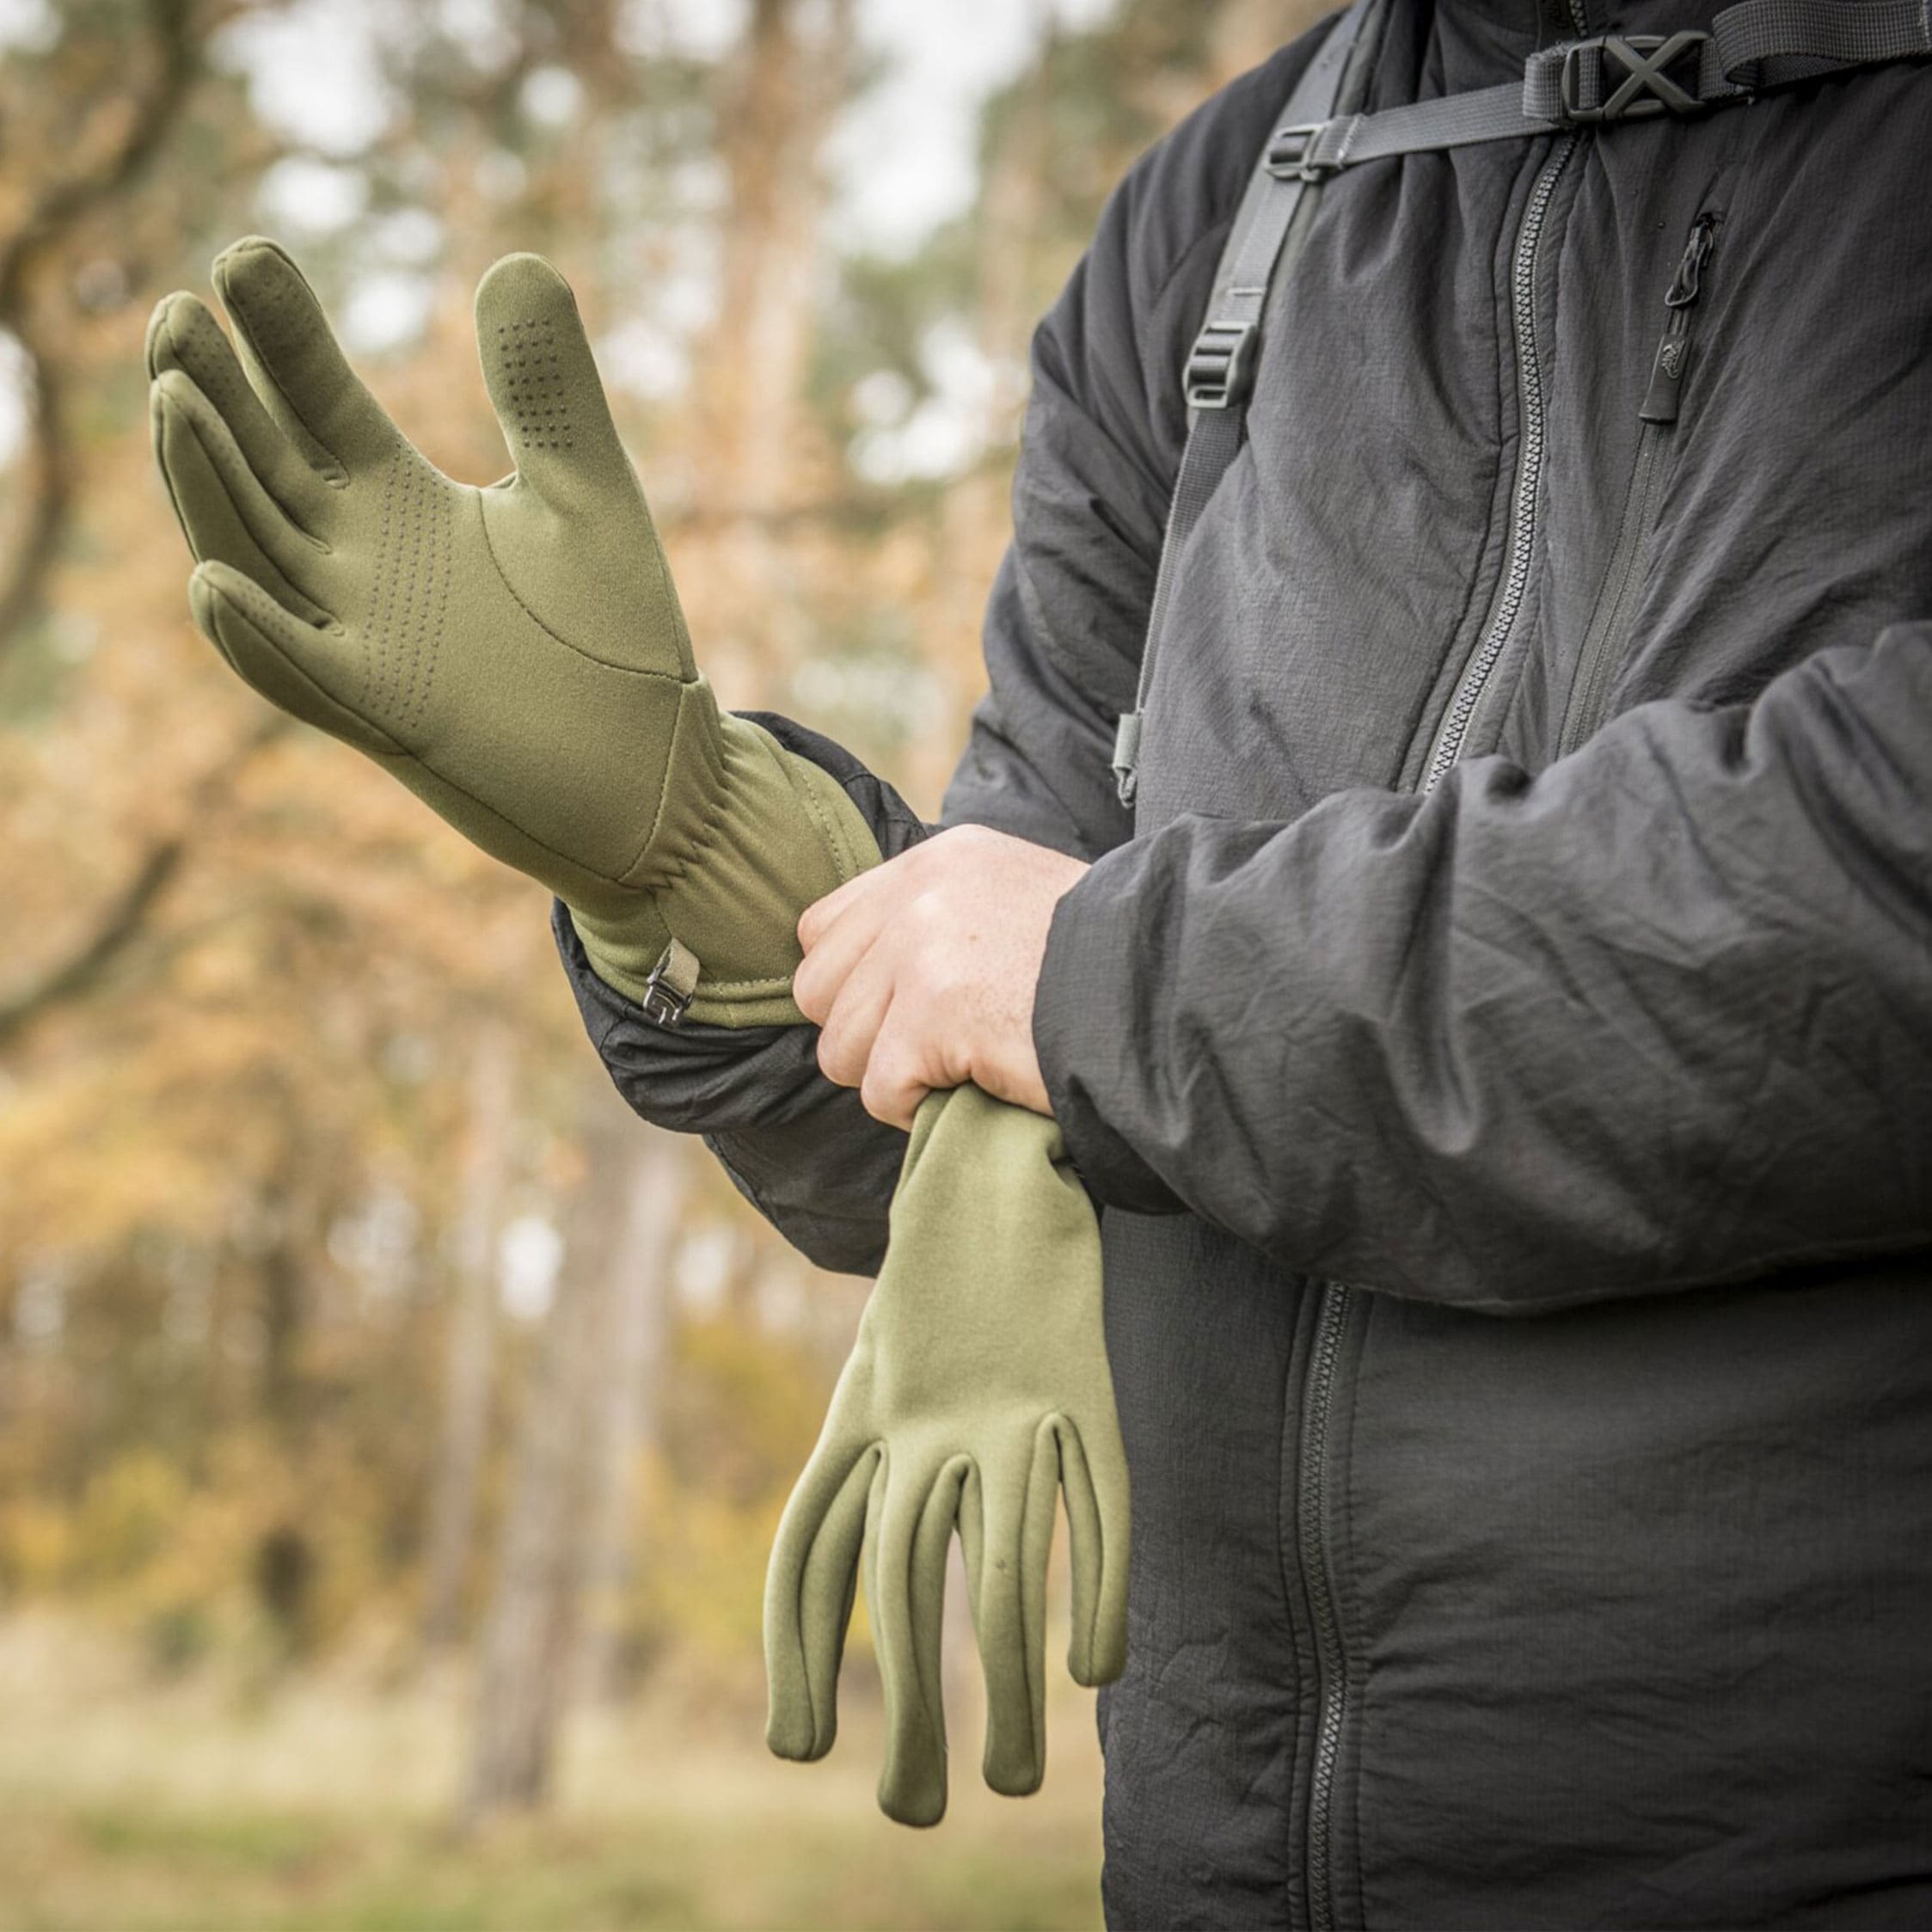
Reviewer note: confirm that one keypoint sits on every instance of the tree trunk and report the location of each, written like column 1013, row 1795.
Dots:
column 529, row 1640
column 104, row 173
column 781, row 95
column 637, row 1317
column 469, row 1367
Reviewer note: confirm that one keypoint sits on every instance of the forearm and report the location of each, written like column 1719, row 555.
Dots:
column 1661, row 1016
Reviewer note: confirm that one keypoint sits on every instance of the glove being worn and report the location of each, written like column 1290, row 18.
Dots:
column 516, row 655
column 977, row 1392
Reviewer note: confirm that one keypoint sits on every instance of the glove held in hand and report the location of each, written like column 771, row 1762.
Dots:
column 977, row 1391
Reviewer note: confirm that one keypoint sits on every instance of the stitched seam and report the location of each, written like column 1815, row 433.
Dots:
column 741, row 989
column 707, row 831
column 403, row 588
column 320, row 550
column 1072, row 1428
column 629, row 670
column 429, row 622
column 217, row 377
column 373, row 665
column 238, row 313
column 841, row 858
column 416, row 597
column 320, row 690
column 1215, row 235
column 442, row 607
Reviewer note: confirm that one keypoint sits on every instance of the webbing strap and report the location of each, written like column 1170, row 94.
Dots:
column 1220, row 371
column 672, row 980
column 1751, row 48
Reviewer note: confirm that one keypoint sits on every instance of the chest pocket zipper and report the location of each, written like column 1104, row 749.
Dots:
column 1604, row 643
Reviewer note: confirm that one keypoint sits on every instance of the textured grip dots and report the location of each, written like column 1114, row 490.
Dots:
column 410, row 596
column 535, row 399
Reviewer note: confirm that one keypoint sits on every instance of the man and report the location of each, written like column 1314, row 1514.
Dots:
column 1499, row 1035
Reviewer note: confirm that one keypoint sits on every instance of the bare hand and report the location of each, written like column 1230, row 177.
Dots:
column 921, row 973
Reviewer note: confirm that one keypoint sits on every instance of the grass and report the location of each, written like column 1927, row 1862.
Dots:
column 322, row 1806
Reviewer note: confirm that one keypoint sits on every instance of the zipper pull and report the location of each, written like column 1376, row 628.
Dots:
column 1661, row 399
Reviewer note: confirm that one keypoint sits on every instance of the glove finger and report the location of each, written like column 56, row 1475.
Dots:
column 225, row 513
column 296, row 366
column 1007, row 1550
column 295, row 665
column 183, row 335
column 1094, row 1476
column 907, row 1541
column 543, row 383
column 809, row 1588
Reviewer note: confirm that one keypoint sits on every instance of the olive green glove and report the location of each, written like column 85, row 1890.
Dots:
column 515, row 655
column 977, row 1390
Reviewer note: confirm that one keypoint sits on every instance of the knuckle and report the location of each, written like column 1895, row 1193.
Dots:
column 872, row 1096
column 833, row 1060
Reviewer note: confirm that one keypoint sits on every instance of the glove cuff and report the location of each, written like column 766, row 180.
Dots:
column 758, row 834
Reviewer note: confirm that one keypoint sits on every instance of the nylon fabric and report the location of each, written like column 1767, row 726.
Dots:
column 1603, row 1075
column 1771, row 43
column 1753, row 47
column 1261, row 230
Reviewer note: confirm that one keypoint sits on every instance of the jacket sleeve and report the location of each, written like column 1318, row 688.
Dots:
column 1063, row 628
column 805, row 1153
column 1659, row 1017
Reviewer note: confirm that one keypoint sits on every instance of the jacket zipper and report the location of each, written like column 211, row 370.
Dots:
column 1331, row 1658
column 1602, row 655
column 1529, row 475
column 1337, row 1298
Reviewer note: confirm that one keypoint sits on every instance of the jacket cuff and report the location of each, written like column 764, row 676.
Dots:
column 895, row 825
column 1087, row 1024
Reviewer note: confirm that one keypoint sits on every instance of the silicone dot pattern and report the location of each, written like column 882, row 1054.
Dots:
column 411, row 589
column 533, row 390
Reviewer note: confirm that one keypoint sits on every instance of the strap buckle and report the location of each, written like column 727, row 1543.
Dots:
column 662, row 1007
column 1295, row 150
column 669, row 986
column 1645, row 88
column 1220, row 371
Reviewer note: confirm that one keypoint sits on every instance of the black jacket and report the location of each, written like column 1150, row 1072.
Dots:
column 1573, row 1564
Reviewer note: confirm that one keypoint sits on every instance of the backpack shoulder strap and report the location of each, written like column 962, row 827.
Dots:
column 1752, row 48
column 1219, row 374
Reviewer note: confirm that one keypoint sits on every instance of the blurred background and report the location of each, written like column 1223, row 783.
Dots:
column 392, row 1428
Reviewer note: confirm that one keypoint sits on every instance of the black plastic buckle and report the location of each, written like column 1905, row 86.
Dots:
column 1291, row 151
column 1646, row 88
column 1220, row 371
column 663, row 1004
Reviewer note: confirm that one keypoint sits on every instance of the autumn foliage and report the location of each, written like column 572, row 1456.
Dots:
column 340, row 1303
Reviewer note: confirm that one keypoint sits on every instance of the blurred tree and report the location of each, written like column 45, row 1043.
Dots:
column 580, row 1414
column 470, row 1359
column 92, row 137
column 281, row 1060
column 624, row 1425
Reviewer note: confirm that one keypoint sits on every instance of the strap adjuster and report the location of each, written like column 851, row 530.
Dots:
column 668, row 987
column 1220, row 371
column 1296, row 151
column 1645, row 87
